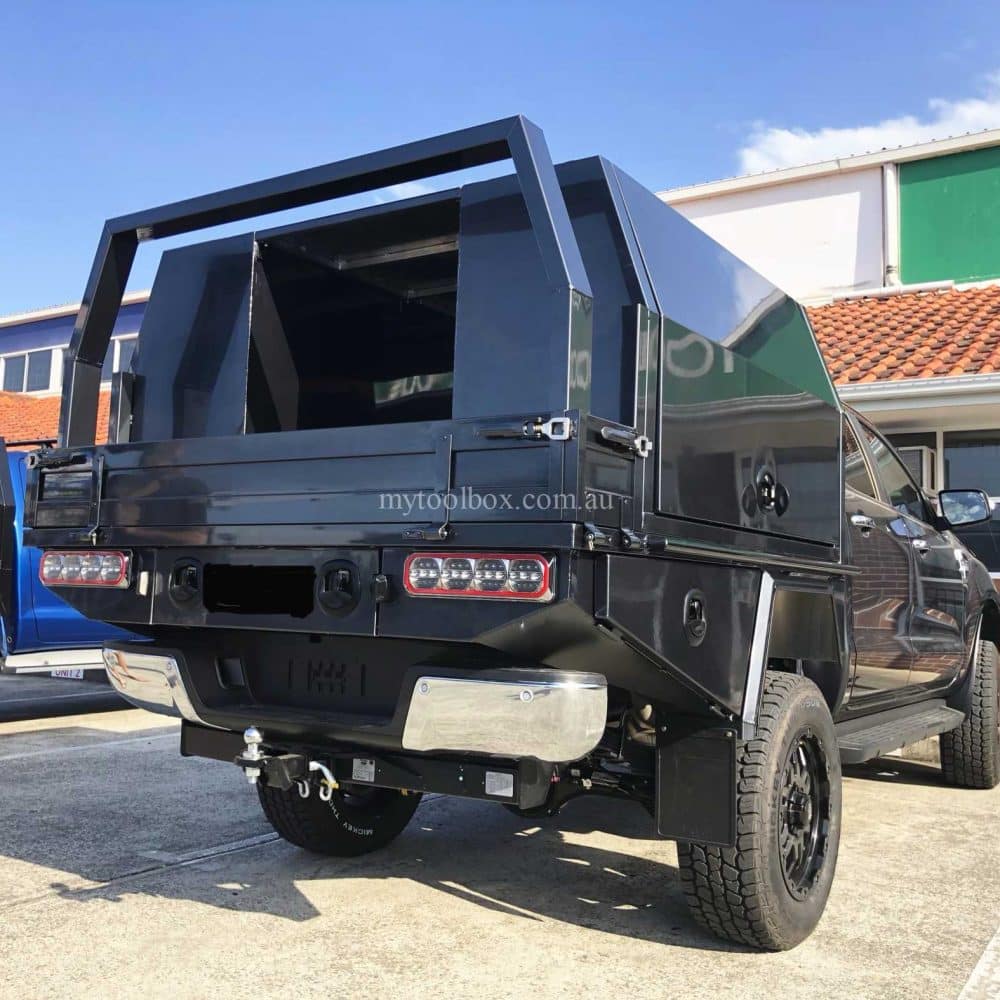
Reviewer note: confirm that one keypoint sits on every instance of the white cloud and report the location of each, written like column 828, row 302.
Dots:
column 769, row 147
column 408, row 189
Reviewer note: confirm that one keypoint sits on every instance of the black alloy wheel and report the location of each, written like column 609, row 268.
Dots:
column 805, row 813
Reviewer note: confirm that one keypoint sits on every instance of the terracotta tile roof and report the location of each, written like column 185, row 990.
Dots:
column 914, row 335
column 30, row 418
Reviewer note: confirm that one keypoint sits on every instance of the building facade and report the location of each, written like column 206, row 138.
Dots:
column 31, row 366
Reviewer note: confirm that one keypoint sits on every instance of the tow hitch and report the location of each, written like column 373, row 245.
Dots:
column 525, row 783
column 283, row 770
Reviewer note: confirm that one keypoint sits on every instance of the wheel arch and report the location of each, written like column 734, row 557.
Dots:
column 989, row 628
column 991, row 620
column 808, row 637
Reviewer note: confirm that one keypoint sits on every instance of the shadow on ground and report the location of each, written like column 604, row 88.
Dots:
column 125, row 811
column 477, row 853
column 894, row 770
column 105, row 815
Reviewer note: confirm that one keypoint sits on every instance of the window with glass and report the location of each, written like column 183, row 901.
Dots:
column 13, row 373
column 28, row 372
column 856, row 475
column 918, row 452
column 972, row 460
column 903, row 493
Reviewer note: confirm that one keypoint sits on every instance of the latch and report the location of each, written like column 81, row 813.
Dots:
column 338, row 587
column 428, row 533
column 535, row 429
column 184, row 582
column 628, row 437
column 556, row 429
column 771, row 495
column 766, row 494
column 695, row 617
column 53, row 458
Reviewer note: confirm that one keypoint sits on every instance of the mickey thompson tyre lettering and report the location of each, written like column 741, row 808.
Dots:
column 355, row 821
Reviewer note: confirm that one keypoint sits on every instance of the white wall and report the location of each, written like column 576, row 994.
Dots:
column 813, row 237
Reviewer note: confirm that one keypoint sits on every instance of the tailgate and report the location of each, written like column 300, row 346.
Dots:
column 345, row 476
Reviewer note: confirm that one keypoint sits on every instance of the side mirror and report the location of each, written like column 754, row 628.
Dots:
column 960, row 507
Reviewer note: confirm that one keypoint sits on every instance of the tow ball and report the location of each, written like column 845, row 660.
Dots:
column 283, row 770
column 252, row 759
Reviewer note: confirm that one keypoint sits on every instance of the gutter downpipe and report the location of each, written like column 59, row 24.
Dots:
column 890, row 225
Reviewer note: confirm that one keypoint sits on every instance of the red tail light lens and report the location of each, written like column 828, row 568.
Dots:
column 520, row 577
column 85, row 569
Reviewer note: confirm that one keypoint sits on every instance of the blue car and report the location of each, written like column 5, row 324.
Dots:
column 39, row 632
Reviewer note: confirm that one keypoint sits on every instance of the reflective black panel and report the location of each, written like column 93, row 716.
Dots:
column 749, row 432
column 602, row 237
column 702, row 286
column 741, row 447
column 192, row 365
column 522, row 337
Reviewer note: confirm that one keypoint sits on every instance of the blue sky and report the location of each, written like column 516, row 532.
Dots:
column 106, row 108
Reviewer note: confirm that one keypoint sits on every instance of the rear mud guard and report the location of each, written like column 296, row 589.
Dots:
column 696, row 783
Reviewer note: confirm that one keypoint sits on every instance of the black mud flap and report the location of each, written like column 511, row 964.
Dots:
column 8, row 547
column 696, row 783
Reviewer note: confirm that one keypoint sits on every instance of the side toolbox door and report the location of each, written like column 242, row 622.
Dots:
column 882, row 596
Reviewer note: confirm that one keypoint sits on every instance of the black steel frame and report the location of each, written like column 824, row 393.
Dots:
column 513, row 138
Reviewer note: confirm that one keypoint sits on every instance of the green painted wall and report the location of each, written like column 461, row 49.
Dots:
column 949, row 217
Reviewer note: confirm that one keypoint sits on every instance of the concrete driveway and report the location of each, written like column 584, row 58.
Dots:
column 126, row 870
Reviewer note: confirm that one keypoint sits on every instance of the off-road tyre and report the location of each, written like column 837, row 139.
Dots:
column 743, row 893
column 355, row 821
column 970, row 755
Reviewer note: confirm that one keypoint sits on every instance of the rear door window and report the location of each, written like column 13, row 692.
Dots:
column 856, row 474
column 899, row 487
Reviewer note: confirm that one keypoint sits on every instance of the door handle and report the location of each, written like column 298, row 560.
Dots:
column 920, row 545
column 864, row 523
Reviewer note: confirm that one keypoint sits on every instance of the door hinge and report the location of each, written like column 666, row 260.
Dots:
column 595, row 538
column 633, row 540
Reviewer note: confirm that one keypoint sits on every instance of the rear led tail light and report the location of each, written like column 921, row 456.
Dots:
column 478, row 574
column 85, row 569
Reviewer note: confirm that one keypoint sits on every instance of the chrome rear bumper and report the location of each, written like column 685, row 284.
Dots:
column 555, row 720
column 555, row 716
column 150, row 681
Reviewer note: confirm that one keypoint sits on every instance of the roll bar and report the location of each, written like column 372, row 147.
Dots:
column 513, row 138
